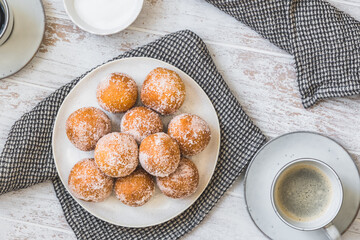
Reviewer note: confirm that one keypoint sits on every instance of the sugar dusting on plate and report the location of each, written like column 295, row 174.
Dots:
column 105, row 14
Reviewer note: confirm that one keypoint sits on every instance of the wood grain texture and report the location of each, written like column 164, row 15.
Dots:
column 20, row 230
column 261, row 76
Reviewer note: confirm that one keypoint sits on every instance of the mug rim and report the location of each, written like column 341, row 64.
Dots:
column 282, row 169
column 6, row 9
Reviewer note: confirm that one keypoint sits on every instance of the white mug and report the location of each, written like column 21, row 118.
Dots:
column 312, row 183
column 7, row 23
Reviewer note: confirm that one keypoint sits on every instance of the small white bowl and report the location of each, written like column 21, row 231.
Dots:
column 75, row 16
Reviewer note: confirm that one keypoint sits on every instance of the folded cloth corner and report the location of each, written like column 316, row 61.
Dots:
column 325, row 42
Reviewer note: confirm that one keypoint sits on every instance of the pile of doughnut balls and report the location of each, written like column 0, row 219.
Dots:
column 127, row 162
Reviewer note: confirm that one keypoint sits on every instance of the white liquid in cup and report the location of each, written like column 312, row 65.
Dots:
column 105, row 14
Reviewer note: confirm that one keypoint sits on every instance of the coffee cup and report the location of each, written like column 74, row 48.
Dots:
column 6, row 21
column 307, row 194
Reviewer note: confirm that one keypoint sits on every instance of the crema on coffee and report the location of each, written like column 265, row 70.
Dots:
column 303, row 193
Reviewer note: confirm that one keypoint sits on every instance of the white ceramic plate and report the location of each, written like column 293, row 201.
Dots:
column 276, row 154
column 81, row 22
column 160, row 208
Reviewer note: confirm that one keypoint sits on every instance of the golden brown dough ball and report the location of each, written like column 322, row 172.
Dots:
column 181, row 183
column 141, row 122
column 163, row 90
column 88, row 183
column 86, row 126
column 191, row 132
column 116, row 154
column 159, row 154
column 135, row 189
column 117, row 93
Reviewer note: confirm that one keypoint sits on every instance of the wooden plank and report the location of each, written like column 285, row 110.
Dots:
column 351, row 7
column 203, row 18
column 15, row 100
column 168, row 16
column 350, row 236
column 228, row 220
column 67, row 53
column 346, row 2
column 36, row 205
column 19, row 230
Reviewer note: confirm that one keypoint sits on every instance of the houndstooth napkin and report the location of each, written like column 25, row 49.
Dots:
column 325, row 42
column 27, row 158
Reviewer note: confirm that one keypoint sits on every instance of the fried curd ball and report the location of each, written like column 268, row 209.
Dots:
column 163, row 91
column 86, row 126
column 135, row 189
column 159, row 154
column 116, row 154
column 117, row 93
column 88, row 183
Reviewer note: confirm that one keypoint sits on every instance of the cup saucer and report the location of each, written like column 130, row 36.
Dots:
column 282, row 150
column 26, row 37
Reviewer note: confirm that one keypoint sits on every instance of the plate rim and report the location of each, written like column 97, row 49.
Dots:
column 276, row 138
column 75, row 87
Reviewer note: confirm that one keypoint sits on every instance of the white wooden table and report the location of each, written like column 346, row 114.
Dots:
column 260, row 75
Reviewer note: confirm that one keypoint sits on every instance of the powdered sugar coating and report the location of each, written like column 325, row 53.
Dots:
column 141, row 122
column 88, row 183
column 135, row 189
column 163, row 90
column 116, row 154
column 181, row 183
column 86, row 126
column 159, row 154
column 191, row 132
column 117, row 93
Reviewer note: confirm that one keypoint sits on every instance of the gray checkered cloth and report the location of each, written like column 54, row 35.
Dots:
column 27, row 157
column 325, row 42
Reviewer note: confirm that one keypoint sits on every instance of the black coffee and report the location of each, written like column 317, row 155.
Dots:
column 2, row 18
column 303, row 192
